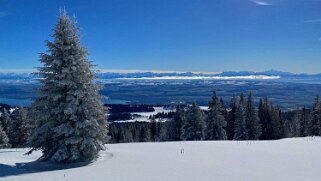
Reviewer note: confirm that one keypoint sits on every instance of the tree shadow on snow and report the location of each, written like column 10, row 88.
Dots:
column 36, row 167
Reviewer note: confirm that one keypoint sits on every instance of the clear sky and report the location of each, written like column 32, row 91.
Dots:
column 182, row 35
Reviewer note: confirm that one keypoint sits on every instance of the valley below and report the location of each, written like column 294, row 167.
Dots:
column 287, row 95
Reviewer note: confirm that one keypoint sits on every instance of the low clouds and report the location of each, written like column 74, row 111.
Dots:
column 262, row 2
column 312, row 21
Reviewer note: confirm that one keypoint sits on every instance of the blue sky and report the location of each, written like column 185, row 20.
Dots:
column 182, row 35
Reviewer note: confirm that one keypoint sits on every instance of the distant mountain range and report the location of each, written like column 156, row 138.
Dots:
column 271, row 74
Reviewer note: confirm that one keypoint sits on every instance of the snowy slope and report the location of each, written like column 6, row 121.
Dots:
column 295, row 159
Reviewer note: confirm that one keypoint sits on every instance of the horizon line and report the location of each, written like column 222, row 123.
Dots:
column 102, row 70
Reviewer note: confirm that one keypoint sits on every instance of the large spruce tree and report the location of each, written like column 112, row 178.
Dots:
column 215, row 120
column 71, row 121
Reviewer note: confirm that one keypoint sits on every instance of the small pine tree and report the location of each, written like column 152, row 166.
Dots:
column 27, row 124
column 5, row 121
column 240, row 124
column 270, row 120
column 253, row 126
column 4, row 140
column 71, row 121
column 288, row 128
column 145, row 134
column 223, row 109
column 166, row 131
column 19, row 128
column 315, row 118
column 294, row 126
column 303, row 122
column 154, row 129
column 178, row 122
column 215, row 120
column 263, row 116
column 277, row 121
column 230, row 129
column 194, row 126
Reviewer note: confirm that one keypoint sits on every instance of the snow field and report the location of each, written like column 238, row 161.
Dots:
column 295, row 159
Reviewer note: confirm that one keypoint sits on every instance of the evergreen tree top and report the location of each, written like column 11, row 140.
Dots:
column 214, row 100
column 241, row 101
column 233, row 101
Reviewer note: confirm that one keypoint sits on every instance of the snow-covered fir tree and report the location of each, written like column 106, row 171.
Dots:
column 154, row 129
column 270, row 120
column 253, row 126
column 240, row 124
column 294, row 126
column 5, row 120
column 297, row 125
column 315, row 118
column 289, row 128
column 215, row 120
column 178, row 122
column 223, row 109
column 304, row 121
column 277, row 123
column 231, row 117
column 71, row 120
column 194, row 126
column 145, row 133
column 4, row 140
column 19, row 131
column 26, row 126
column 264, row 117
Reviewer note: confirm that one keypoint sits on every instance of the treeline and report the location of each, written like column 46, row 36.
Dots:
column 240, row 120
